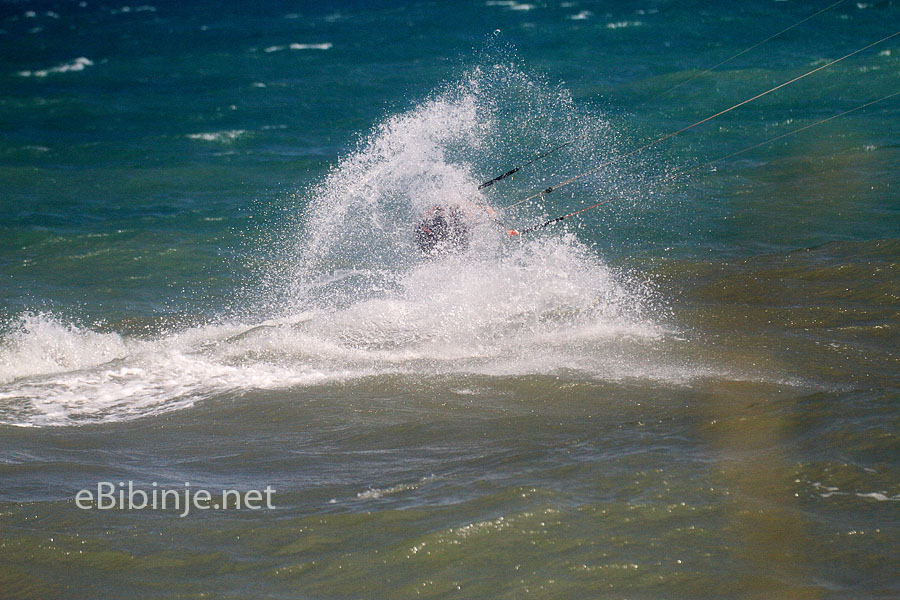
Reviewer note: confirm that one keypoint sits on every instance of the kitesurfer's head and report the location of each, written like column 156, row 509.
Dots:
column 442, row 230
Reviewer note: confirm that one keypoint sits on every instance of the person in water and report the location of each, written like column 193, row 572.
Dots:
column 441, row 230
column 446, row 229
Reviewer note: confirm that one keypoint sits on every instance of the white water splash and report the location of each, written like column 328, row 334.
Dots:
column 348, row 295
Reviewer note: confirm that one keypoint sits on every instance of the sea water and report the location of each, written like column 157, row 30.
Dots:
column 210, row 281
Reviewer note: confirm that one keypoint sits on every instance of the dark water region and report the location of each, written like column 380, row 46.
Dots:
column 209, row 276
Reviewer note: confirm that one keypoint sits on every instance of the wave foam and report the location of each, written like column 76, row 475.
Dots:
column 348, row 295
column 624, row 24
column 220, row 137
column 79, row 64
column 298, row 46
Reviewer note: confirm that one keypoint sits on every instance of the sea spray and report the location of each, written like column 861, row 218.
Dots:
column 348, row 295
column 352, row 232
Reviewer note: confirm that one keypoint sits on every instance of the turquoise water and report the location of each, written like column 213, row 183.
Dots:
column 209, row 276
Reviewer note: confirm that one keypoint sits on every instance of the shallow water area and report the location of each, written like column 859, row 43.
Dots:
column 211, row 281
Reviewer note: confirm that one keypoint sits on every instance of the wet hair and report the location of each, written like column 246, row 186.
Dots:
column 442, row 230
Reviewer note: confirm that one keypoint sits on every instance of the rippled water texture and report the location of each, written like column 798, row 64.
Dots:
column 211, row 281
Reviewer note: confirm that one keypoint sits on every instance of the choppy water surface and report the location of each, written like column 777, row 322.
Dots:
column 210, row 276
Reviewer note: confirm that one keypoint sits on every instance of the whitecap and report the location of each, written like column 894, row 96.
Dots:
column 879, row 496
column 510, row 4
column 79, row 64
column 624, row 24
column 299, row 46
column 323, row 46
column 133, row 9
column 221, row 137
